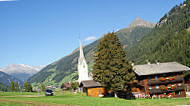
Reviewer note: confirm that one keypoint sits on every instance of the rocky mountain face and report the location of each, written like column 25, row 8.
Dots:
column 21, row 71
column 139, row 22
column 65, row 69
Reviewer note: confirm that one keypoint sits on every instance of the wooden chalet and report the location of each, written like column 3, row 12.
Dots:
column 92, row 88
column 160, row 79
column 187, row 84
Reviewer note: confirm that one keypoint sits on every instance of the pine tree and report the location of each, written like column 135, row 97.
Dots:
column 111, row 67
column 16, row 87
column 25, row 87
column 11, row 87
column 30, row 89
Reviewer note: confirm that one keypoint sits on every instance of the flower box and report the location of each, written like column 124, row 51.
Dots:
column 162, row 79
column 135, row 81
column 171, row 78
column 162, row 88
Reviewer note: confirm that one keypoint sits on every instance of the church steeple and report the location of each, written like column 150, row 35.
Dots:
column 81, row 56
column 82, row 65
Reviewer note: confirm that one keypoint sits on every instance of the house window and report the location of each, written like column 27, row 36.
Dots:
column 156, row 77
column 177, row 92
column 157, row 87
column 150, row 87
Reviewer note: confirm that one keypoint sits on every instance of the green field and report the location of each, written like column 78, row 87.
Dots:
column 68, row 98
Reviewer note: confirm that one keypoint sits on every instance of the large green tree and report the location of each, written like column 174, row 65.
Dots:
column 11, row 87
column 16, row 87
column 27, row 87
column 111, row 67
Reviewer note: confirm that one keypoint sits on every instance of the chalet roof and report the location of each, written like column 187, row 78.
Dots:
column 66, row 85
column 160, row 68
column 90, row 83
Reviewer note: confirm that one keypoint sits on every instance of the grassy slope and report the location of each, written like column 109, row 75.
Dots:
column 78, row 99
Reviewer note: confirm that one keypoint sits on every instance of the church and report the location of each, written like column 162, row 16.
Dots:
column 86, row 83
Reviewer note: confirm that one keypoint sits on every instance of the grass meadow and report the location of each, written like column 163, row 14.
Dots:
column 69, row 98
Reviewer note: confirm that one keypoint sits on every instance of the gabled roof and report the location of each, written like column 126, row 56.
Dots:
column 160, row 68
column 89, row 83
column 66, row 85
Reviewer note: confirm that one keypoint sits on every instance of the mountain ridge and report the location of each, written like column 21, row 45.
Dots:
column 21, row 71
column 7, row 79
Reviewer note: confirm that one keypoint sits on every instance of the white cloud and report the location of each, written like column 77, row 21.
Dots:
column 90, row 38
column 8, row 0
column 117, row 30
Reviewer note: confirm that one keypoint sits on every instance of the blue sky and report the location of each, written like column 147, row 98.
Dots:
column 39, row 32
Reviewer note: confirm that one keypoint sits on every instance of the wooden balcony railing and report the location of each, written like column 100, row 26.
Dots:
column 158, row 91
column 158, row 82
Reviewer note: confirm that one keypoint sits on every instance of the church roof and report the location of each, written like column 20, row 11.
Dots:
column 89, row 84
column 168, row 67
column 81, row 55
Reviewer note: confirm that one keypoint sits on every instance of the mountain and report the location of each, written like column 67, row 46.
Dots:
column 168, row 41
column 139, row 22
column 133, row 34
column 21, row 71
column 65, row 69
column 6, row 79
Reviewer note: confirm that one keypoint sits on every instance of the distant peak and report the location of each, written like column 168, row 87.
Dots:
column 138, row 18
column 139, row 22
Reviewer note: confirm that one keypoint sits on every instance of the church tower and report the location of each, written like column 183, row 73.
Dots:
column 82, row 66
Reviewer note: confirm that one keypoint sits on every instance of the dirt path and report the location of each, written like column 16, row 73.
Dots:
column 24, row 96
column 31, row 103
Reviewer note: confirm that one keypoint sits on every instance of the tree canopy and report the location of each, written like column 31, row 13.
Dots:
column 111, row 67
column 27, row 87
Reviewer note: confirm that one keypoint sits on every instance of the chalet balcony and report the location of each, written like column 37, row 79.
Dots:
column 158, row 82
column 158, row 91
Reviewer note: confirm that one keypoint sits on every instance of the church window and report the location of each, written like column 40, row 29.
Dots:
column 157, row 86
column 156, row 77
column 150, row 87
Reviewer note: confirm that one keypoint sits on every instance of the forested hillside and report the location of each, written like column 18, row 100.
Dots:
column 7, row 79
column 65, row 69
column 168, row 41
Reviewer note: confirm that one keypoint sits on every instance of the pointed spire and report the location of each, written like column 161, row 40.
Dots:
column 81, row 56
column 82, row 65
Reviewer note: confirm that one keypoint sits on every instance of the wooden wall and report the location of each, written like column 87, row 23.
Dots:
column 95, row 92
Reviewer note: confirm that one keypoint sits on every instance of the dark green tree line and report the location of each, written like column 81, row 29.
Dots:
column 13, row 87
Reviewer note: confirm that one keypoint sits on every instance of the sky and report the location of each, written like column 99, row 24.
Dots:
column 39, row 32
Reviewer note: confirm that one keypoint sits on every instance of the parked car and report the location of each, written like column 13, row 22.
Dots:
column 48, row 92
